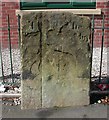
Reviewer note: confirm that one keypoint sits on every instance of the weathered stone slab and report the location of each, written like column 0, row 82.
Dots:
column 55, row 59
column 65, row 60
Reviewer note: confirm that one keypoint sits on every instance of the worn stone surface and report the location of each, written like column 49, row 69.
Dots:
column 65, row 60
column 31, row 61
column 55, row 59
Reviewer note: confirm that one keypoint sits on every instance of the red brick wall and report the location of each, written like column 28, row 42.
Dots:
column 0, row 21
column 98, row 23
column 10, row 7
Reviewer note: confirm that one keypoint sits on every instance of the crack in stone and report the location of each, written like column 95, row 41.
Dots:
column 31, row 33
column 40, row 49
column 32, row 65
column 60, row 29
column 24, row 52
column 63, row 52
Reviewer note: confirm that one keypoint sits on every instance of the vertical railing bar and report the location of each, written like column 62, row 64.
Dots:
column 19, row 29
column 92, row 40
column 10, row 48
column 2, row 64
column 102, row 44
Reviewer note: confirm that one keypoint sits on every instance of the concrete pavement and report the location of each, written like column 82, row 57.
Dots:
column 90, row 111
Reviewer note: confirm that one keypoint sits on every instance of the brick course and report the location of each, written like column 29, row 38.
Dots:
column 9, row 8
column 98, row 23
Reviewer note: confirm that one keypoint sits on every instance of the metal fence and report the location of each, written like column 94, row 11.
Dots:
column 93, row 84
column 12, row 75
column 100, row 86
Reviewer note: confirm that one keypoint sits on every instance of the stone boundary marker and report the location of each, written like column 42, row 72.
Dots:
column 55, row 56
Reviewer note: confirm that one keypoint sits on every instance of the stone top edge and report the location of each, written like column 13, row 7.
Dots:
column 74, row 11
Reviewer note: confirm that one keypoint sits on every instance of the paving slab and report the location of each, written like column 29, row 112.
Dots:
column 90, row 111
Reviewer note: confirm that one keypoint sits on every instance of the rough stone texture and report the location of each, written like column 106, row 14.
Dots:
column 55, row 59
column 31, row 61
column 65, row 60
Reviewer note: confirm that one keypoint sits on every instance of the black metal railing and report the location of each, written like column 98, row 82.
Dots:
column 9, row 28
column 100, row 80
